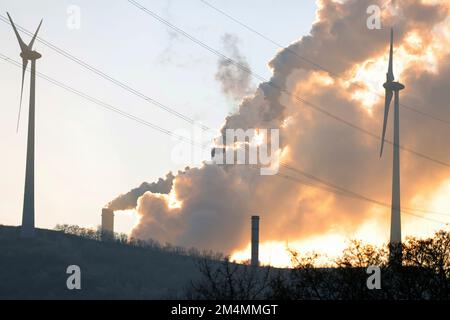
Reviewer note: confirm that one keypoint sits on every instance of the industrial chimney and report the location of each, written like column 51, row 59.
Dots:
column 107, row 224
column 255, row 241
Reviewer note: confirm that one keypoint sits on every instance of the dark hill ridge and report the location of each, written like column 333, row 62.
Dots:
column 36, row 268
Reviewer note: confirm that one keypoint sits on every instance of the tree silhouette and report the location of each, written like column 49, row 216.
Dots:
column 226, row 280
column 424, row 274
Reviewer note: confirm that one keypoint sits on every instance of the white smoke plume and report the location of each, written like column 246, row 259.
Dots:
column 210, row 207
column 128, row 200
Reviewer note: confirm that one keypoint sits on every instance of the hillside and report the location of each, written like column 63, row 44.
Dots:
column 36, row 268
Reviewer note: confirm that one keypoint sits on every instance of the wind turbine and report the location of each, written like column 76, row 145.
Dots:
column 28, row 54
column 393, row 88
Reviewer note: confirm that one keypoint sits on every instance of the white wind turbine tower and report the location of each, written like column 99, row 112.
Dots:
column 28, row 54
column 393, row 88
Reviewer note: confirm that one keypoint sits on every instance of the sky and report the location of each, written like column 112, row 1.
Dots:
column 85, row 155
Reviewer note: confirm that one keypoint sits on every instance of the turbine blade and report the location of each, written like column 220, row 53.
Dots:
column 30, row 46
column 387, row 104
column 24, row 68
column 22, row 44
column 390, row 74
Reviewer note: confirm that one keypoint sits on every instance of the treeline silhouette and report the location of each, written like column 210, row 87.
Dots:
column 124, row 239
column 424, row 274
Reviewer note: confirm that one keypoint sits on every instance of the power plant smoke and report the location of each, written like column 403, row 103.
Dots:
column 128, row 200
column 209, row 207
column 235, row 83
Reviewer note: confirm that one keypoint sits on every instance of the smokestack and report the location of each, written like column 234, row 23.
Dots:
column 107, row 224
column 255, row 241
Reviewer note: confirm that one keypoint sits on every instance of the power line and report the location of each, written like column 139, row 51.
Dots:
column 103, row 104
column 355, row 194
column 331, row 188
column 188, row 119
column 109, row 78
column 311, row 62
column 363, row 198
column 262, row 79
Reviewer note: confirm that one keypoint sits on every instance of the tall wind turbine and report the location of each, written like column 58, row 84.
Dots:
column 393, row 88
column 28, row 54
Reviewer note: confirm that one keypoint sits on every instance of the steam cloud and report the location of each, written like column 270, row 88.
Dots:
column 235, row 83
column 210, row 207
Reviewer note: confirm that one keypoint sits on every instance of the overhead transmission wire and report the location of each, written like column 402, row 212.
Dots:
column 329, row 188
column 101, row 103
column 285, row 91
column 192, row 121
column 109, row 78
column 355, row 194
column 317, row 65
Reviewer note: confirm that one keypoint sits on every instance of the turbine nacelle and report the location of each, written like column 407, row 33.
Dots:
column 30, row 55
column 393, row 86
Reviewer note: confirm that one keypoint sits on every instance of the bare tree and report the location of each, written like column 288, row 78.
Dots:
column 226, row 280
